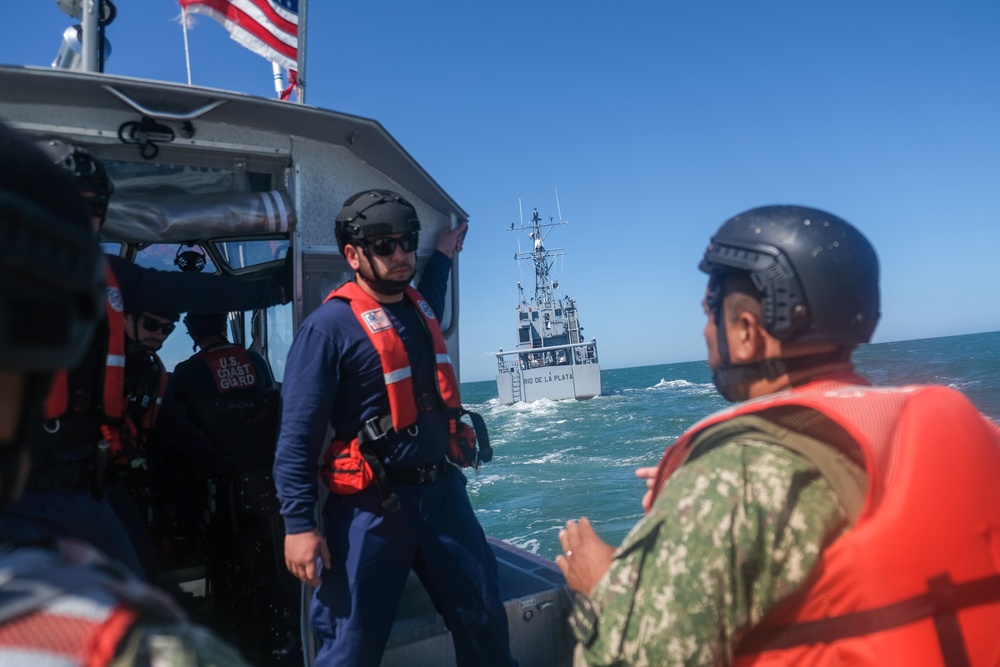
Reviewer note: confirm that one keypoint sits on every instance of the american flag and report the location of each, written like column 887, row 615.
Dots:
column 269, row 28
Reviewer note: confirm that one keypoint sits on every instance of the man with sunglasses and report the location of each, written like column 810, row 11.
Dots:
column 66, row 493
column 156, row 439
column 370, row 362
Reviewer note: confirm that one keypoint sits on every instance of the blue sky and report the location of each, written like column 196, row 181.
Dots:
column 656, row 121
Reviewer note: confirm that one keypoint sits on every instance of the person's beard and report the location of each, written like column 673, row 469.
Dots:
column 383, row 285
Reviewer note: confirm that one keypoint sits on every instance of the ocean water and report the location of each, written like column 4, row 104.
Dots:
column 559, row 460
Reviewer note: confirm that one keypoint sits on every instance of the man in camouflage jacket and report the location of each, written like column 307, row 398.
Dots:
column 743, row 519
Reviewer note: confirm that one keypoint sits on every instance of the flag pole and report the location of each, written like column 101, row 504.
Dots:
column 187, row 50
column 300, row 91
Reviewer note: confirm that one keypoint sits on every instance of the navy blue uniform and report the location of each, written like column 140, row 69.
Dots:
column 333, row 377
column 58, row 501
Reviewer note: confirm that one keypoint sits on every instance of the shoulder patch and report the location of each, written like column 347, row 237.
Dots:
column 426, row 309
column 115, row 299
column 376, row 320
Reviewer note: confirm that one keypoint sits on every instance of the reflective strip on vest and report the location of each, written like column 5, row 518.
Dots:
column 398, row 376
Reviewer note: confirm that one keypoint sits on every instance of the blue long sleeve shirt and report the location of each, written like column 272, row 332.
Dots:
column 333, row 377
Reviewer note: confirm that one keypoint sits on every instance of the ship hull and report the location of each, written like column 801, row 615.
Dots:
column 575, row 374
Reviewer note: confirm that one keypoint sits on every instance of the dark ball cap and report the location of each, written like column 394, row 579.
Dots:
column 205, row 324
column 817, row 273
column 372, row 213
column 52, row 287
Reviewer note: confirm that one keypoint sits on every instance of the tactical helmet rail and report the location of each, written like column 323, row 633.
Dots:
column 817, row 273
column 90, row 174
column 374, row 213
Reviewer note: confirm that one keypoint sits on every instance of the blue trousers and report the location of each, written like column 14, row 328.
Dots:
column 436, row 534
column 42, row 515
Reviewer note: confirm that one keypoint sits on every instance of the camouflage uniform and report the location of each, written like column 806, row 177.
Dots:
column 734, row 532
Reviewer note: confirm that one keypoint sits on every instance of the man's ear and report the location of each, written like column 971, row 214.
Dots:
column 747, row 339
column 351, row 255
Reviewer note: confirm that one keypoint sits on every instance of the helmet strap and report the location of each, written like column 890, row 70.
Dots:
column 733, row 380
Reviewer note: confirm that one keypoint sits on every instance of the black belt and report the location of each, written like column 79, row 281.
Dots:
column 422, row 475
column 74, row 475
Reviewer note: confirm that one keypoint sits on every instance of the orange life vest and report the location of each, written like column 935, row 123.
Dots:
column 113, row 405
column 231, row 367
column 350, row 465
column 915, row 581
column 396, row 369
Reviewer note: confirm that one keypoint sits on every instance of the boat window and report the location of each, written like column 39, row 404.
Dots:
column 239, row 254
column 168, row 256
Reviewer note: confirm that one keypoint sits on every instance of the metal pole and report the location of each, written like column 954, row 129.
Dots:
column 300, row 91
column 89, row 34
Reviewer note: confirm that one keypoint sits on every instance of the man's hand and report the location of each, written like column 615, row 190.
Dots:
column 301, row 552
column 648, row 474
column 450, row 241
column 586, row 557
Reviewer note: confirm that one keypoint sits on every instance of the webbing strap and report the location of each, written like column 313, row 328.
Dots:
column 942, row 602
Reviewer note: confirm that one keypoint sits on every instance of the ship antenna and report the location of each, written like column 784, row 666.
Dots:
column 558, row 210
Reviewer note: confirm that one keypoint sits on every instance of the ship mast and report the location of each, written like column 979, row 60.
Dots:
column 542, row 258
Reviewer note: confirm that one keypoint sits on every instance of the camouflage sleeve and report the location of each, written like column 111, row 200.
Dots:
column 732, row 534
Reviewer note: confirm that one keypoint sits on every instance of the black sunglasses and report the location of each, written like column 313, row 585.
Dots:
column 384, row 246
column 149, row 324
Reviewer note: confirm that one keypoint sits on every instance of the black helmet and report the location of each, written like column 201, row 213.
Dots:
column 374, row 213
column 818, row 274
column 89, row 172
column 52, row 291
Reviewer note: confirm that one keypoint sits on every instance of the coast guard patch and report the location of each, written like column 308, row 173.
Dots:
column 425, row 307
column 376, row 320
column 115, row 299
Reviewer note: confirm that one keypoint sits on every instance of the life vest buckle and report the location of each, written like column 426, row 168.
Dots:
column 372, row 430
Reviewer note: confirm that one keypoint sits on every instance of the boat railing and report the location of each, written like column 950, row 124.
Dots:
column 570, row 354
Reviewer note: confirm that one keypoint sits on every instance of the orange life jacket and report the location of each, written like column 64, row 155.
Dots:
column 231, row 367
column 113, row 405
column 350, row 465
column 915, row 581
column 396, row 369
